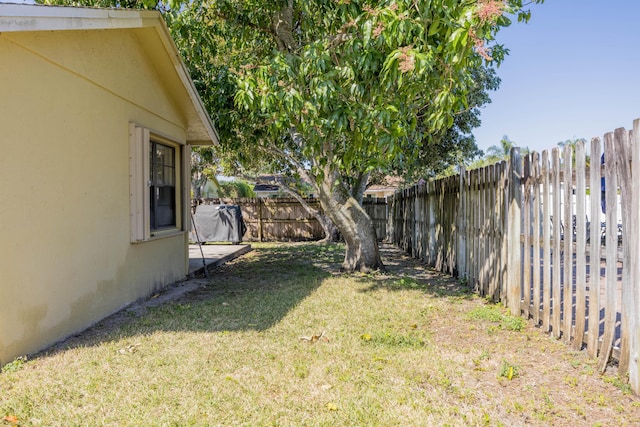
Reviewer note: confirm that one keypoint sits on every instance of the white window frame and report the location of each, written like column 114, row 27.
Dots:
column 139, row 198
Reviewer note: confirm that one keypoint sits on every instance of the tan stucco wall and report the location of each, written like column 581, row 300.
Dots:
column 66, row 260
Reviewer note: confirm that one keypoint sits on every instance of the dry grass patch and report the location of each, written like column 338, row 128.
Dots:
column 280, row 337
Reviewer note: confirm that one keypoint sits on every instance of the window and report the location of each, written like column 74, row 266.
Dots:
column 162, row 185
column 154, row 179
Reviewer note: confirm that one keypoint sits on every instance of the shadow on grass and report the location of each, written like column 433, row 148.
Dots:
column 256, row 291
column 436, row 286
column 253, row 292
column 406, row 273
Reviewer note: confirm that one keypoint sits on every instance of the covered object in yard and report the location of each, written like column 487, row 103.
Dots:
column 218, row 223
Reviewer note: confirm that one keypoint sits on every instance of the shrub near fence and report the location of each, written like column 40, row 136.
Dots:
column 285, row 219
column 531, row 233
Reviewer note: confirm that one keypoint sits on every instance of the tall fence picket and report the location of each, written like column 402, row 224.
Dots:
column 581, row 245
column 557, row 249
column 536, row 206
column 593, row 328
column 527, row 207
column 611, row 254
column 634, row 265
column 546, row 243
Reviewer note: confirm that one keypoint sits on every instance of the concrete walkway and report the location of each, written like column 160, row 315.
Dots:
column 214, row 255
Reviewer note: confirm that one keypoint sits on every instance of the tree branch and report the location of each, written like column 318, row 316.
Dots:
column 282, row 22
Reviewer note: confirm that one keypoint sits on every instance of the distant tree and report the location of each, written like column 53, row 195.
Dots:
column 236, row 189
column 203, row 170
column 572, row 143
column 496, row 153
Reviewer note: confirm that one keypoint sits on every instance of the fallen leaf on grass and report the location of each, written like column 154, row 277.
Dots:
column 130, row 349
column 12, row 419
column 332, row 406
column 314, row 338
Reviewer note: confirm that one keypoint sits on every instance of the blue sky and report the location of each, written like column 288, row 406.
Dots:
column 573, row 72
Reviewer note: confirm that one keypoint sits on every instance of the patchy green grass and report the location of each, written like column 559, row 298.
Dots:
column 280, row 337
column 496, row 314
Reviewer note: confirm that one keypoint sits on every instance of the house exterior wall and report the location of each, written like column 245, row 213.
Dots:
column 66, row 261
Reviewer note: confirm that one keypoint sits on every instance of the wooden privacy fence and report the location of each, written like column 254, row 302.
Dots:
column 554, row 237
column 285, row 219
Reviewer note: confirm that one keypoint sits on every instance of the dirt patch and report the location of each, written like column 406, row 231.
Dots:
column 539, row 379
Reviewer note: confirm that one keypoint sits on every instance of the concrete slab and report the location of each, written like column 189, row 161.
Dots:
column 213, row 255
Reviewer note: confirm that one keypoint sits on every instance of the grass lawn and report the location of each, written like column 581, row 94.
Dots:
column 280, row 337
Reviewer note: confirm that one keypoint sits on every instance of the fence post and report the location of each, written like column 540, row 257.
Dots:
column 581, row 246
column 593, row 329
column 514, row 262
column 461, row 257
column 259, row 209
column 503, row 189
column 567, row 310
column 634, row 273
column 611, row 245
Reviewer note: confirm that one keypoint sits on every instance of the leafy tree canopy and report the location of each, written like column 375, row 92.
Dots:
column 333, row 90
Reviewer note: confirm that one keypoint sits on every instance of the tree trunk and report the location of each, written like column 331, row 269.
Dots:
column 331, row 233
column 282, row 22
column 355, row 226
column 330, row 230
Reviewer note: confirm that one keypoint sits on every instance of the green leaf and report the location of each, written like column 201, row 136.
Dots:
column 366, row 31
column 456, row 37
column 434, row 27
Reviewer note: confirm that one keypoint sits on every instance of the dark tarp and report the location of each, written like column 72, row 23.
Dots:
column 218, row 223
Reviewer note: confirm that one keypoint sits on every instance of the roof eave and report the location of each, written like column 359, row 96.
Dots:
column 21, row 17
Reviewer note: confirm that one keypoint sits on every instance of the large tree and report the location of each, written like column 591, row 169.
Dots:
column 349, row 87
column 333, row 90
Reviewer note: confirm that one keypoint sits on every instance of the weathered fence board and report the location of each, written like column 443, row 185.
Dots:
column 567, row 285
column 536, row 206
column 611, row 252
column 634, row 266
column 581, row 245
column 623, row 171
column 514, row 224
column 557, row 273
column 546, row 243
column 594, row 252
column 527, row 179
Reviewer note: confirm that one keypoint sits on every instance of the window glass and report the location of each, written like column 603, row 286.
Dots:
column 162, row 185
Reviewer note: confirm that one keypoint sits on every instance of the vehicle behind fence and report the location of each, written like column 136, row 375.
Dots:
column 552, row 236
